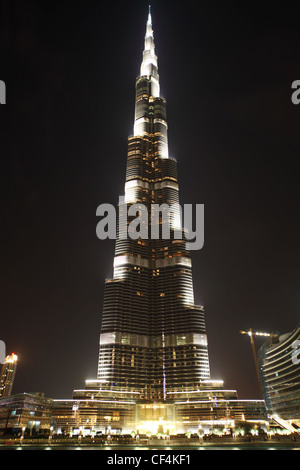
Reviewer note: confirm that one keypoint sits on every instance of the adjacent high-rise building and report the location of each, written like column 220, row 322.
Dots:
column 153, row 337
column 7, row 375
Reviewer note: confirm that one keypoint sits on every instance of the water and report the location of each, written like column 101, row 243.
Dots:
column 159, row 448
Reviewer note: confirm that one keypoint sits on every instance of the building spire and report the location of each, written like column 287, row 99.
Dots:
column 149, row 16
column 149, row 64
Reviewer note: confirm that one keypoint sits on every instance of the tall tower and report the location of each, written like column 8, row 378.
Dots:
column 153, row 337
column 7, row 375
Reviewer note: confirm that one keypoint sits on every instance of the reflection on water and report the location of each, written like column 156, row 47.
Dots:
column 273, row 446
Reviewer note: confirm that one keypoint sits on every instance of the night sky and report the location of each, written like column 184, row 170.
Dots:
column 70, row 70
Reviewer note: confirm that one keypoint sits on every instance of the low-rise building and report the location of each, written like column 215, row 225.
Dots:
column 25, row 414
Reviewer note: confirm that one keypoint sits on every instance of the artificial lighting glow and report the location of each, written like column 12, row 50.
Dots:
column 256, row 333
column 151, row 427
column 12, row 358
column 93, row 380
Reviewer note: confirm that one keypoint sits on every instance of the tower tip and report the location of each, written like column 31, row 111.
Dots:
column 149, row 15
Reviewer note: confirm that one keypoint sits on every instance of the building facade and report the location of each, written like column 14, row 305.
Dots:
column 7, row 375
column 153, row 342
column 27, row 414
column 93, row 412
column 153, row 337
column 279, row 365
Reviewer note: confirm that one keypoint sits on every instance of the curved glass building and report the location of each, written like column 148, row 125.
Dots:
column 279, row 363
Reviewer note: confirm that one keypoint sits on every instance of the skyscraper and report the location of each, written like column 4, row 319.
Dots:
column 153, row 337
column 7, row 375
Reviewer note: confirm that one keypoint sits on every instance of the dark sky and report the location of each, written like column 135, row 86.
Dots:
column 70, row 70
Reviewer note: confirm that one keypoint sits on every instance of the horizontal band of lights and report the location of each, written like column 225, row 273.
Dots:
column 129, row 392
column 158, row 263
column 204, row 391
column 137, row 183
column 108, row 391
column 219, row 400
column 151, row 342
column 91, row 400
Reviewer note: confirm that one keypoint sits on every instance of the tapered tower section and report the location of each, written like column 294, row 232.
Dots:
column 153, row 337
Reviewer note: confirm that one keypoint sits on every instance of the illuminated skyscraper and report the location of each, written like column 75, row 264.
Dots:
column 7, row 375
column 153, row 370
column 153, row 337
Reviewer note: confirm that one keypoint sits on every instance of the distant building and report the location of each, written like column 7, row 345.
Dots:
column 279, row 365
column 25, row 414
column 7, row 375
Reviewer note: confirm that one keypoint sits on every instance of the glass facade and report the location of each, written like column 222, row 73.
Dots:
column 90, row 415
column 93, row 412
column 279, row 365
column 25, row 413
column 153, row 337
